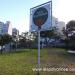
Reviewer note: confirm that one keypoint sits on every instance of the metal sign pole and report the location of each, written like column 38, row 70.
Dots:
column 39, row 48
column 38, row 51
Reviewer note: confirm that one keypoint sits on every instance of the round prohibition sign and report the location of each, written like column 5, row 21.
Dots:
column 40, row 16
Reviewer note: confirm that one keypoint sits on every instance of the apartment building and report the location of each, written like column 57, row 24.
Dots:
column 6, row 28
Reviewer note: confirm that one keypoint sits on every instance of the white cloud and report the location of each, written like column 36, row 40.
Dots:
column 23, row 25
column 65, row 10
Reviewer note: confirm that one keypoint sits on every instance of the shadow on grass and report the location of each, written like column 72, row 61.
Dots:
column 68, row 57
column 15, row 51
column 60, row 55
column 20, row 51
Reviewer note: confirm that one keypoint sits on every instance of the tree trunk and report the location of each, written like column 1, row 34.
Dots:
column 1, row 49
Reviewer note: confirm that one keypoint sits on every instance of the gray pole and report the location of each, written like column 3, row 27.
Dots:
column 38, row 51
column 39, row 48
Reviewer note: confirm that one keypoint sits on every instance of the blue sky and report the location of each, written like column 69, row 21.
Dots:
column 18, row 11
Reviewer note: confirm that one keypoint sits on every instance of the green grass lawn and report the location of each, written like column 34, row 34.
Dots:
column 21, row 62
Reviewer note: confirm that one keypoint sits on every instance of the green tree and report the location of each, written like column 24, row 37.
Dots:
column 22, row 41
column 69, row 33
column 70, row 26
column 4, row 39
column 52, row 33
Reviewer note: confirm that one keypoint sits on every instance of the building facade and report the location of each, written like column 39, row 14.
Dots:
column 15, row 32
column 6, row 28
column 58, row 24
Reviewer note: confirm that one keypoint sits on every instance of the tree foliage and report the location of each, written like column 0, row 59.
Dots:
column 70, row 35
column 70, row 26
column 27, row 39
column 50, row 33
column 4, row 39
